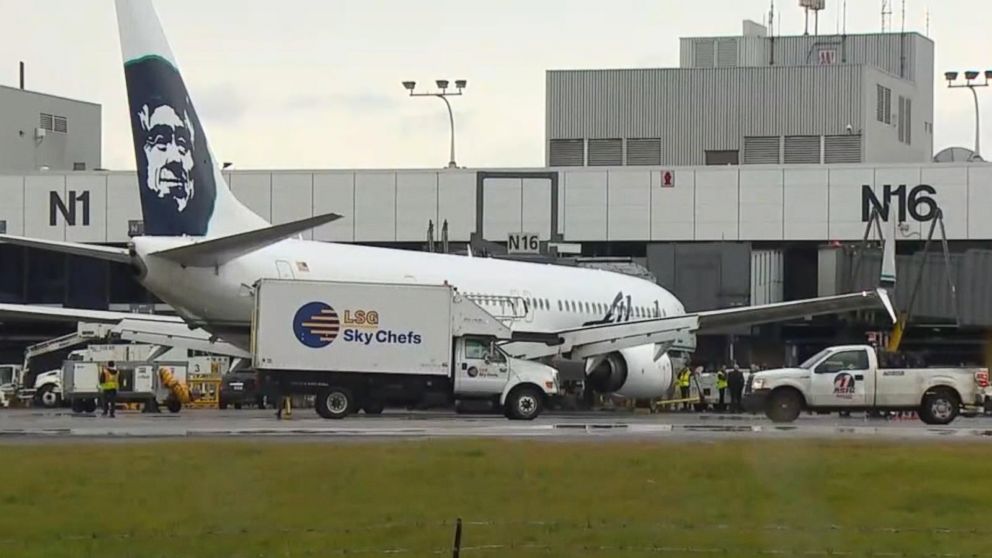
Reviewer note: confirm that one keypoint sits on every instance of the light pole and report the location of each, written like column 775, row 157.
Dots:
column 969, row 77
column 443, row 94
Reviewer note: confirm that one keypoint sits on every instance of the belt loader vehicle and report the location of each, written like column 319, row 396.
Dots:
column 368, row 345
column 850, row 378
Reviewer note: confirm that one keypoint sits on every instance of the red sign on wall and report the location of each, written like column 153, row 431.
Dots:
column 667, row 179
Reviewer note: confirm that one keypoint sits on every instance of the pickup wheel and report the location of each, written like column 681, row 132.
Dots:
column 524, row 403
column 335, row 402
column 173, row 405
column 784, row 405
column 940, row 406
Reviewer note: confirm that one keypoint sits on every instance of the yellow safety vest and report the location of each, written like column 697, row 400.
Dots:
column 684, row 378
column 108, row 379
column 721, row 380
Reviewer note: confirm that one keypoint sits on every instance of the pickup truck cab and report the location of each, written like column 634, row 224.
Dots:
column 848, row 377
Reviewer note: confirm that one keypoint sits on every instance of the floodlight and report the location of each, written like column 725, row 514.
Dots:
column 442, row 84
column 461, row 83
column 970, row 75
column 951, row 76
column 409, row 85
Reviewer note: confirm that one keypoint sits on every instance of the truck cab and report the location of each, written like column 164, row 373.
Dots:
column 850, row 377
column 484, row 371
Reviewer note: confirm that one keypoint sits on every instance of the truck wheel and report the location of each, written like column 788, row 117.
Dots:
column 222, row 405
column 89, row 405
column 335, row 402
column 784, row 406
column 237, row 406
column 77, row 406
column 373, row 407
column 940, row 406
column 173, row 405
column 47, row 397
column 524, row 403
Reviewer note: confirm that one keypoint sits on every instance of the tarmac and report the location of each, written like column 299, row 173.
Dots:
column 40, row 425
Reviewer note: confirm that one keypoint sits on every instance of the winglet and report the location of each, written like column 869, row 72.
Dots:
column 888, row 277
column 883, row 295
column 218, row 251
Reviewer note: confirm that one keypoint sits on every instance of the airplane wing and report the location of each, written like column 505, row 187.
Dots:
column 781, row 311
column 593, row 341
column 57, row 314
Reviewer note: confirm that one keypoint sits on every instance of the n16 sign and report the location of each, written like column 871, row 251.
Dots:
column 523, row 243
column 918, row 203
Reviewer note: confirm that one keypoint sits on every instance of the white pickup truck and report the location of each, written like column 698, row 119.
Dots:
column 848, row 377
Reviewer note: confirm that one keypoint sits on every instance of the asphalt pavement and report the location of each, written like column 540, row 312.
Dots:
column 597, row 426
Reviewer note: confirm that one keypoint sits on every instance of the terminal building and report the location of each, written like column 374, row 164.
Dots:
column 810, row 135
column 46, row 132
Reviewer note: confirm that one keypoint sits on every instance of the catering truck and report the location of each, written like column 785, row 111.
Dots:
column 369, row 345
column 850, row 377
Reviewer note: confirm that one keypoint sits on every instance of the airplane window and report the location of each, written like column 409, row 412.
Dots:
column 559, row 306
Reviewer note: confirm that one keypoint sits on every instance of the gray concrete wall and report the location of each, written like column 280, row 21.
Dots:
column 22, row 151
column 704, row 276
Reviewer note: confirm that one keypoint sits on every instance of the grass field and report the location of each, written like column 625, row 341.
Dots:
column 221, row 498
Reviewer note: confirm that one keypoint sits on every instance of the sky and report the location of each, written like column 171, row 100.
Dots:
column 316, row 83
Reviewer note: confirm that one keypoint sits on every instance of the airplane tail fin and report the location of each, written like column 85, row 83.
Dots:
column 183, row 191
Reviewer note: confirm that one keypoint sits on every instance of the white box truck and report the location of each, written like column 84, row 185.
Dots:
column 368, row 345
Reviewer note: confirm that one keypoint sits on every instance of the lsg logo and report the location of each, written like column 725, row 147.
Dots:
column 918, row 203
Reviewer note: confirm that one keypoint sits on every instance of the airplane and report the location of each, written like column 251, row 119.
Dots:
column 203, row 252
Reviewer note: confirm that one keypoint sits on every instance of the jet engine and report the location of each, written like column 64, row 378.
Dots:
column 633, row 373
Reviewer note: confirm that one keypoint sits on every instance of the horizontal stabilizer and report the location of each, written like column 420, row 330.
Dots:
column 56, row 314
column 218, row 251
column 74, row 248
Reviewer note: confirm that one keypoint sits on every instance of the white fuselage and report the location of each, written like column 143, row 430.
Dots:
column 558, row 297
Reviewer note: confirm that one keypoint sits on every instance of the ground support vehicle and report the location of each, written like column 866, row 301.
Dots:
column 152, row 384
column 363, row 346
column 848, row 378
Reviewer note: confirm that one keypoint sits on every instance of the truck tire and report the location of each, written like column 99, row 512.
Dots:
column 940, row 406
column 47, row 397
column 335, row 402
column 77, row 406
column 222, row 404
column 373, row 407
column 89, row 405
column 784, row 406
column 237, row 406
column 524, row 403
column 173, row 405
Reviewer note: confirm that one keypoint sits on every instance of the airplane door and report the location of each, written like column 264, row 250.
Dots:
column 284, row 270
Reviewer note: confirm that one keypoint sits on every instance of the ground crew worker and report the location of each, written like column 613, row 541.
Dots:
column 735, row 381
column 684, row 380
column 108, row 388
column 721, row 385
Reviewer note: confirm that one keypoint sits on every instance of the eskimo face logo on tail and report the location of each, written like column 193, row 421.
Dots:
column 316, row 325
column 175, row 171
